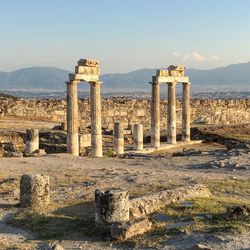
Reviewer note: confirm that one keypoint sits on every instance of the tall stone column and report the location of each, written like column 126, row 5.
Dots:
column 72, row 119
column 155, row 113
column 32, row 140
column 138, row 137
column 186, row 112
column 171, row 113
column 118, row 139
column 96, row 123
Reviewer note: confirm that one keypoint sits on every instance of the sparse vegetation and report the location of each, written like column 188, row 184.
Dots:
column 110, row 153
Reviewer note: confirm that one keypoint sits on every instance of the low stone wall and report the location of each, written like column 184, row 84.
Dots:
column 148, row 204
column 11, row 141
column 129, row 111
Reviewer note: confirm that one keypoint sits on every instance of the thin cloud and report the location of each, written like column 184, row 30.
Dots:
column 195, row 56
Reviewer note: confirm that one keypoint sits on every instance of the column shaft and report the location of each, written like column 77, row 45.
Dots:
column 118, row 139
column 32, row 140
column 96, row 123
column 72, row 119
column 138, row 136
column 186, row 112
column 155, row 113
column 171, row 130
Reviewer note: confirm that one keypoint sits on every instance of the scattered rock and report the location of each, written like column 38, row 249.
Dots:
column 161, row 218
column 201, row 247
column 231, row 144
column 37, row 153
column 126, row 230
column 237, row 212
column 180, row 224
column 89, row 183
column 187, row 152
column 12, row 154
column 46, row 246
column 187, row 204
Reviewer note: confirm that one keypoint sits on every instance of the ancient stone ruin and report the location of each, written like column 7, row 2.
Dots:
column 85, row 71
column 172, row 75
column 88, row 71
column 35, row 191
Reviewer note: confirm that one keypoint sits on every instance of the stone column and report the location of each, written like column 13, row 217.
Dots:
column 111, row 206
column 118, row 139
column 34, row 191
column 186, row 112
column 171, row 130
column 72, row 119
column 138, row 137
column 96, row 123
column 32, row 140
column 155, row 113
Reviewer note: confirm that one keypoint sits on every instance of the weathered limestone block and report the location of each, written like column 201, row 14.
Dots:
column 148, row 204
column 84, row 140
column 83, row 77
column 88, row 62
column 111, row 206
column 34, row 191
column 125, row 230
column 32, row 140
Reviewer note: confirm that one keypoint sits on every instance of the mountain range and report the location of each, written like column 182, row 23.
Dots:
column 52, row 79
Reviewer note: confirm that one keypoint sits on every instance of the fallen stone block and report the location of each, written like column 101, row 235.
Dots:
column 37, row 153
column 111, row 206
column 142, row 206
column 125, row 230
column 35, row 191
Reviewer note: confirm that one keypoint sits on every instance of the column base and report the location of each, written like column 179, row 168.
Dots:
column 73, row 144
column 96, row 145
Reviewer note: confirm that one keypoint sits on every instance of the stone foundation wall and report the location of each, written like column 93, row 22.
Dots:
column 129, row 111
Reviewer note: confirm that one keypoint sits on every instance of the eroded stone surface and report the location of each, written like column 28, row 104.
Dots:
column 111, row 206
column 35, row 191
column 150, row 203
column 126, row 230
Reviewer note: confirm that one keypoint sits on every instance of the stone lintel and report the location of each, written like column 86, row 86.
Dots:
column 178, row 79
column 88, row 62
column 86, row 70
column 83, row 77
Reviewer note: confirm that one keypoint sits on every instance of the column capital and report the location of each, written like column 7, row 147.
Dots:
column 71, row 82
column 154, row 80
column 187, row 83
column 172, row 83
column 95, row 83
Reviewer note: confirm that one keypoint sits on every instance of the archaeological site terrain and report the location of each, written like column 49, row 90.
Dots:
column 122, row 173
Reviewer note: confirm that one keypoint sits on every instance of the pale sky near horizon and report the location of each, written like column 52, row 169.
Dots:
column 124, row 35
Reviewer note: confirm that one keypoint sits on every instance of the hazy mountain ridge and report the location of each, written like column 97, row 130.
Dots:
column 51, row 78
column 34, row 78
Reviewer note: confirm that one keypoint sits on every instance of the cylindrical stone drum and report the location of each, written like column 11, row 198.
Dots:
column 118, row 139
column 111, row 206
column 32, row 140
column 34, row 191
column 138, row 136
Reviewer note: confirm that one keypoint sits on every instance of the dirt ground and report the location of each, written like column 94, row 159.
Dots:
column 70, row 219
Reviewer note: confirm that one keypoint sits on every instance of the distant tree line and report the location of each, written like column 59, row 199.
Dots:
column 4, row 95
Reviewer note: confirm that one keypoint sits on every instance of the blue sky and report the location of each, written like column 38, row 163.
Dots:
column 124, row 34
